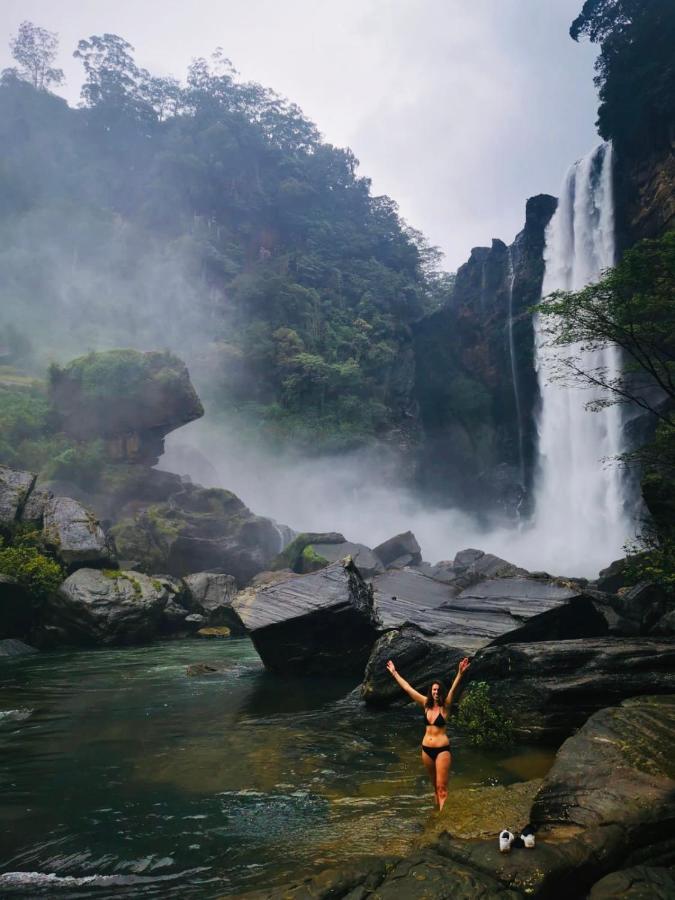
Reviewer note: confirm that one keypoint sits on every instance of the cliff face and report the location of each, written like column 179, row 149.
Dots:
column 475, row 379
column 644, row 187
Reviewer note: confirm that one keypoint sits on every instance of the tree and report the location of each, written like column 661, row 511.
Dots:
column 632, row 307
column 113, row 80
column 34, row 49
column 635, row 74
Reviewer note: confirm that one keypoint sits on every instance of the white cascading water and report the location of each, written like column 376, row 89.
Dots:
column 580, row 517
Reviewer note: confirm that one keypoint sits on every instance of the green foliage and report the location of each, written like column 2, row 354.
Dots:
column 37, row 573
column 34, row 49
column 635, row 74
column 633, row 307
column 485, row 725
column 311, row 561
column 81, row 463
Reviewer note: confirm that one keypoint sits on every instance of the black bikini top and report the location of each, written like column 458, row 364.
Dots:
column 439, row 721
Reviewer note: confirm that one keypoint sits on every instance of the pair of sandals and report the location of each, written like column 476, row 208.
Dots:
column 507, row 839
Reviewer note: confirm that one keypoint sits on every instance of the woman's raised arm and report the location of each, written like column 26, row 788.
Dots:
column 461, row 669
column 408, row 688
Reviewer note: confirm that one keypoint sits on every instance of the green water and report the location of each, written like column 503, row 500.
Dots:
column 121, row 776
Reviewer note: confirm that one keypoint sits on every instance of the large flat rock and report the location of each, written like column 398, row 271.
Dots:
column 321, row 622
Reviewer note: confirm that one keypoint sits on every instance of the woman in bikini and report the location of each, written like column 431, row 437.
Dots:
column 435, row 743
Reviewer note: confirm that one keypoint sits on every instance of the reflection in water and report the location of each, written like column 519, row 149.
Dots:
column 123, row 777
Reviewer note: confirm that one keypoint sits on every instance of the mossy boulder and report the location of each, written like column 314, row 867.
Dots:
column 107, row 607
column 128, row 398
column 198, row 529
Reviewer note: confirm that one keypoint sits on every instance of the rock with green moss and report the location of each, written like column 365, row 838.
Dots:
column 291, row 556
column 129, row 399
column 108, row 607
column 74, row 534
column 211, row 594
column 198, row 529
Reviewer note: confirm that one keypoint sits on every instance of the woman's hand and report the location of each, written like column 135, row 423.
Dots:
column 463, row 666
column 391, row 668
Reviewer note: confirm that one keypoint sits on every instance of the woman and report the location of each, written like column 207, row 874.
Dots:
column 435, row 743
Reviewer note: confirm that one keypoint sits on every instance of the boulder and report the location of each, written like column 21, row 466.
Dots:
column 15, row 486
column 399, row 551
column 477, row 564
column 13, row 647
column 75, row 535
column 211, row 594
column 645, row 604
column 16, row 608
column 613, row 577
column 551, row 688
column 321, row 623
column 421, row 659
column 363, row 557
column 106, row 607
column 195, row 530
column 291, row 556
column 34, row 508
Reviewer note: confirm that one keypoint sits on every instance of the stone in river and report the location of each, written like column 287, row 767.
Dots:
column 211, row 594
column 13, row 647
column 109, row 607
column 636, row 883
column 322, row 622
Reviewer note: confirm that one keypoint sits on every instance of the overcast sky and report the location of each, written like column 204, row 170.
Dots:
column 458, row 109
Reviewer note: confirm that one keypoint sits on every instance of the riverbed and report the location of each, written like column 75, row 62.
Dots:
column 122, row 776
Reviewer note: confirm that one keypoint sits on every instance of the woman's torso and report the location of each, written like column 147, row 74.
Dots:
column 435, row 734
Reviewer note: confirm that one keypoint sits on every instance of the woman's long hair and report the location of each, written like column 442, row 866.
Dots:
column 442, row 694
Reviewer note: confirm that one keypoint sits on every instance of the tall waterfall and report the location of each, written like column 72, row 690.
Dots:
column 580, row 515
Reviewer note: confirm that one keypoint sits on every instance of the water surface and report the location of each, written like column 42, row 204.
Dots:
column 121, row 776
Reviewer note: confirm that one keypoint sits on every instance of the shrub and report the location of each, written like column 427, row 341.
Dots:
column 38, row 574
column 485, row 725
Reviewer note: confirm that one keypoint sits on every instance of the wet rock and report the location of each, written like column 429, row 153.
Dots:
column 645, row 604
column 75, row 535
column 421, row 660
column 477, row 564
column 322, row 622
column 219, row 631
column 399, row 551
column 15, row 486
column 211, row 595
column 550, row 688
column 95, row 607
column 207, row 668
column 613, row 577
column 636, row 883
column 14, row 647
column 480, row 811
column 354, row 881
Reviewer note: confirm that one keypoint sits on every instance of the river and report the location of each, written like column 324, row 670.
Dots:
column 121, row 776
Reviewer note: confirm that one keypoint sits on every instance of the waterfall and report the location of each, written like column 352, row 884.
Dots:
column 514, row 370
column 580, row 514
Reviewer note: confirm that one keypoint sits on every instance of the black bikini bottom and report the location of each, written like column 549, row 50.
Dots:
column 432, row 752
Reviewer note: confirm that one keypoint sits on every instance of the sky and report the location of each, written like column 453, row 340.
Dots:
column 457, row 110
